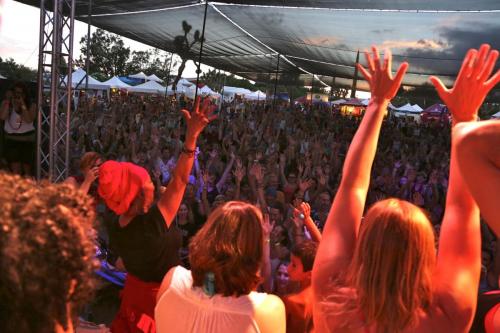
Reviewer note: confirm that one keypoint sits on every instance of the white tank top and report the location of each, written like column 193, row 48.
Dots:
column 184, row 309
column 15, row 125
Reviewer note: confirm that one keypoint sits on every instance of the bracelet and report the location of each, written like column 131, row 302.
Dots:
column 188, row 152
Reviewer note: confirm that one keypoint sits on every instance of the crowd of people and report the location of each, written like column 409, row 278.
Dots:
column 258, row 220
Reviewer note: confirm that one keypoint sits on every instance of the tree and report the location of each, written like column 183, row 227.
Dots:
column 108, row 55
column 13, row 71
column 183, row 49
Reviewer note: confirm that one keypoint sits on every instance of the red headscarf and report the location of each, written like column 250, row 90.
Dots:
column 119, row 184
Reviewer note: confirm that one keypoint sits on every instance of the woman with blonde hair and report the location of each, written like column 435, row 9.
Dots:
column 383, row 274
column 218, row 295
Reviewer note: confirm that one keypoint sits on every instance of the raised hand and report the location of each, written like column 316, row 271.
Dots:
column 239, row 173
column 198, row 119
column 472, row 84
column 267, row 226
column 382, row 85
column 305, row 209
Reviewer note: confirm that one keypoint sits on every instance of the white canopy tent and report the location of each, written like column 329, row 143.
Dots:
column 408, row 110
column 496, row 116
column 230, row 92
column 182, row 87
column 116, row 83
column 149, row 87
column 417, row 108
column 140, row 76
column 2, row 77
column 155, row 78
column 78, row 81
column 256, row 96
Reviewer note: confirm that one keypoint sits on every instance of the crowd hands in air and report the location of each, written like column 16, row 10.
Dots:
column 400, row 249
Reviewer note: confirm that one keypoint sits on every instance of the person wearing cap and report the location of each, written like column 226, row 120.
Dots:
column 144, row 237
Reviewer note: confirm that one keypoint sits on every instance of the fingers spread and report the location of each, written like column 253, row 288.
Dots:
column 481, row 58
column 365, row 73
column 400, row 73
column 186, row 114
column 488, row 67
column 376, row 57
column 388, row 62
column 440, row 87
column 465, row 63
column 369, row 62
column 495, row 79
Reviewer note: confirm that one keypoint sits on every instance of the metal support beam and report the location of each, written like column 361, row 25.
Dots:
column 355, row 78
column 55, row 62
column 276, row 82
column 198, row 69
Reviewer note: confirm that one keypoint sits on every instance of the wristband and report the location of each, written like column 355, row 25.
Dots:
column 188, row 152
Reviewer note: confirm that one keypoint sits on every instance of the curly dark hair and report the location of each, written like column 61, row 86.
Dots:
column 46, row 254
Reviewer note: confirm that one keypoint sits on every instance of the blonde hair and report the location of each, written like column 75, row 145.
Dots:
column 391, row 271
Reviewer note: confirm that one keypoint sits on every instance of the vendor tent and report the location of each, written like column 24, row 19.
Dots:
column 2, row 77
column 149, row 87
column 256, row 96
column 140, row 76
column 496, row 116
column 78, row 81
column 155, row 78
column 417, row 108
column 116, row 83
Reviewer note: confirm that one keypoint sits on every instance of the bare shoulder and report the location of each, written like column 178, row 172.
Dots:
column 270, row 315
column 165, row 284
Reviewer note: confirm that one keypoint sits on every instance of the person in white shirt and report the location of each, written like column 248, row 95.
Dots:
column 218, row 295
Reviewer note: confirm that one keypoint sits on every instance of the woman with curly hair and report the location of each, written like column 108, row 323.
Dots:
column 383, row 274
column 218, row 295
column 46, row 255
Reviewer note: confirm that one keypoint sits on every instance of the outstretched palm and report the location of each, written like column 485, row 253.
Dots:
column 382, row 85
column 198, row 119
column 472, row 84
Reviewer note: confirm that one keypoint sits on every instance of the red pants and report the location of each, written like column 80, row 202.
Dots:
column 136, row 314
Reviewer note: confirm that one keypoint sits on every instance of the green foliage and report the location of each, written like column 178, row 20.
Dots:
column 13, row 71
column 108, row 54
column 110, row 57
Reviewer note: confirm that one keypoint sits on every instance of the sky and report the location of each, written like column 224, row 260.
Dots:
column 19, row 36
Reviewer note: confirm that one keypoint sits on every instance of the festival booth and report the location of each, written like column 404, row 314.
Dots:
column 232, row 93
column 352, row 107
column 256, row 96
column 436, row 112
column 182, row 87
column 78, row 81
column 139, row 76
column 149, row 87
column 409, row 111
column 116, row 83
column 2, row 77
column 155, row 78
column 496, row 116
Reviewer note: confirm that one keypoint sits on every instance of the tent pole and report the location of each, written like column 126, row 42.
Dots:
column 87, row 60
column 312, row 90
column 276, row 82
column 333, row 85
column 198, row 70
column 168, row 74
column 355, row 79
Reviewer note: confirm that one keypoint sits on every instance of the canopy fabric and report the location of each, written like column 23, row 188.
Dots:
column 256, row 96
column 2, row 77
column 417, row 108
column 312, row 36
column 155, row 78
column 116, row 83
column 149, row 87
column 496, row 116
column 78, row 81
column 140, row 76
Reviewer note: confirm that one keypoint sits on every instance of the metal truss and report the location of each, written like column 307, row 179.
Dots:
column 55, row 60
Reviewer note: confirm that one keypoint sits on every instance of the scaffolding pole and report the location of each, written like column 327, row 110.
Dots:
column 276, row 82
column 198, row 69
column 55, row 62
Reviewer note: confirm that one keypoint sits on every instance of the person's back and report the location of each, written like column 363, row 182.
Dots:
column 218, row 295
column 202, row 313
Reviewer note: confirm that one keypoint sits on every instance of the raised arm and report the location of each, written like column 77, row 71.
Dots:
column 342, row 226
column 478, row 154
column 196, row 121
column 459, row 257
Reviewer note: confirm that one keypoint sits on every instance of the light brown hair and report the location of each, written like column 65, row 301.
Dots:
column 391, row 271
column 229, row 245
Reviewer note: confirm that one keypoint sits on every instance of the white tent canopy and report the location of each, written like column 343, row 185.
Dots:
column 140, row 75
column 2, row 77
column 182, row 87
column 115, row 82
column 256, row 96
column 155, row 78
column 417, row 108
column 150, row 87
column 78, row 81
column 496, row 116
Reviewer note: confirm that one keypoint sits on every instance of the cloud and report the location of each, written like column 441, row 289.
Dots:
column 426, row 44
